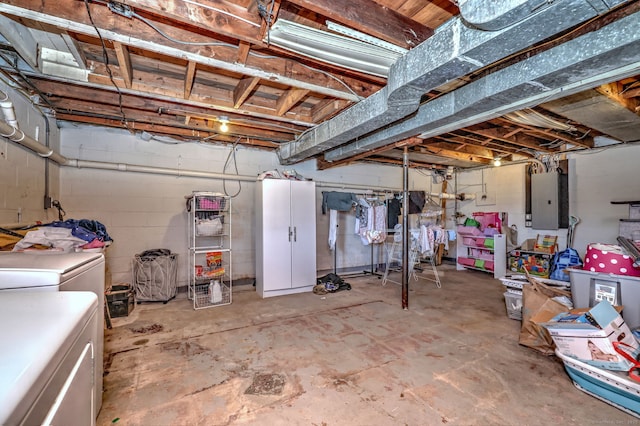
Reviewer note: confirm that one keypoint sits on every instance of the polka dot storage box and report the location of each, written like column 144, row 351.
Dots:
column 609, row 258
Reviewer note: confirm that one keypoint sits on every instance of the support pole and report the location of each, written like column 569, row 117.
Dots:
column 405, row 229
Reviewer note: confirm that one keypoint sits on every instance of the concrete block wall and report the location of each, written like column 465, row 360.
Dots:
column 143, row 211
column 22, row 172
column 506, row 184
column 595, row 179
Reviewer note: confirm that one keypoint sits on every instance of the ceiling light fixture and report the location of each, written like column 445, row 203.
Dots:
column 497, row 162
column 346, row 31
column 375, row 59
column 224, row 123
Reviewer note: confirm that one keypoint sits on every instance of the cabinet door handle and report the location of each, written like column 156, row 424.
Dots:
column 295, row 234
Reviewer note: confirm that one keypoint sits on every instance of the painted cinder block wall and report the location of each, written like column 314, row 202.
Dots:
column 595, row 179
column 22, row 183
column 143, row 211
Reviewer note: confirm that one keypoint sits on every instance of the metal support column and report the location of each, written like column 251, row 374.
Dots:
column 405, row 229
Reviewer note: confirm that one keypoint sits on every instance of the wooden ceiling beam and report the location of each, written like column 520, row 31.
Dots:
column 454, row 155
column 586, row 142
column 124, row 63
column 151, row 102
column 436, row 12
column 168, row 130
column 323, row 164
column 469, row 149
column 369, row 17
column 615, row 91
column 88, row 108
column 66, row 14
column 288, row 100
column 467, row 142
column 189, row 77
column 326, row 109
column 243, row 52
column 216, row 98
column 518, row 139
column 243, row 90
column 223, row 17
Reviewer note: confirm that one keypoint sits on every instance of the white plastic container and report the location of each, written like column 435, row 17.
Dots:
column 215, row 292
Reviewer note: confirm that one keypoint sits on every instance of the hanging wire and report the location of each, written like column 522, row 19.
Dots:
column 268, row 20
column 106, row 62
column 61, row 212
column 175, row 40
column 232, row 154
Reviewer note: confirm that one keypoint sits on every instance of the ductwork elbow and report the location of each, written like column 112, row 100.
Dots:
column 491, row 15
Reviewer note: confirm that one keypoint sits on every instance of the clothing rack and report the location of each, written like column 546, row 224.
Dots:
column 369, row 195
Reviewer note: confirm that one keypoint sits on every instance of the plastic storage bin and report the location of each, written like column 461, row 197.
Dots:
column 588, row 288
column 513, row 302
column 612, row 387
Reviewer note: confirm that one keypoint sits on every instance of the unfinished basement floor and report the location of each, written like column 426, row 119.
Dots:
column 347, row 358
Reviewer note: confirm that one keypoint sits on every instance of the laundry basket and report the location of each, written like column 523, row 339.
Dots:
column 155, row 276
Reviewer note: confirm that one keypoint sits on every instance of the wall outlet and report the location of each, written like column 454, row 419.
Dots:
column 47, row 202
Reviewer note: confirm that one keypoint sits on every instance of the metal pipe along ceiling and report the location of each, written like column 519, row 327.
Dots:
column 456, row 49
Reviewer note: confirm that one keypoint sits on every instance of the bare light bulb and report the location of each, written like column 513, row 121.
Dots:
column 497, row 162
column 224, row 124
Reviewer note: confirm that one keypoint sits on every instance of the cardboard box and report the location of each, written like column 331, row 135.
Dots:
column 588, row 335
column 535, row 262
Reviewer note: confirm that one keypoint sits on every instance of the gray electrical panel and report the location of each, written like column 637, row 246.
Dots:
column 549, row 201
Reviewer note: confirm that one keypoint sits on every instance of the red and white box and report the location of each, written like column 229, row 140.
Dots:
column 610, row 259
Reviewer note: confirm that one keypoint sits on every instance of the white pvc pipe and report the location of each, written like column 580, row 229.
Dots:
column 121, row 167
column 9, row 113
column 16, row 135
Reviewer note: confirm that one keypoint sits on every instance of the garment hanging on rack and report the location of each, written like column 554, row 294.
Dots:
column 333, row 228
column 417, row 200
column 341, row 201
column 393, row 211
column 429, row 237
column 371, row 221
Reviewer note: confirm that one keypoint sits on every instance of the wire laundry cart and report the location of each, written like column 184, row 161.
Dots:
column 155, row 276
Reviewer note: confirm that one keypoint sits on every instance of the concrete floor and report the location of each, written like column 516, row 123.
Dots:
column 347, row 358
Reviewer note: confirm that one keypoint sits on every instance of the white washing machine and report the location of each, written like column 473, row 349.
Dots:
column 48, row 358
column 46, row 271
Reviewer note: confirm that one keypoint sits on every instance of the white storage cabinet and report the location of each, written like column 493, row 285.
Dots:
column 285, row 237
column 209, row 227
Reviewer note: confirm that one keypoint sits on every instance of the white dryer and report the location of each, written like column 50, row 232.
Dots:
column 47, row 271
column 47, row 358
